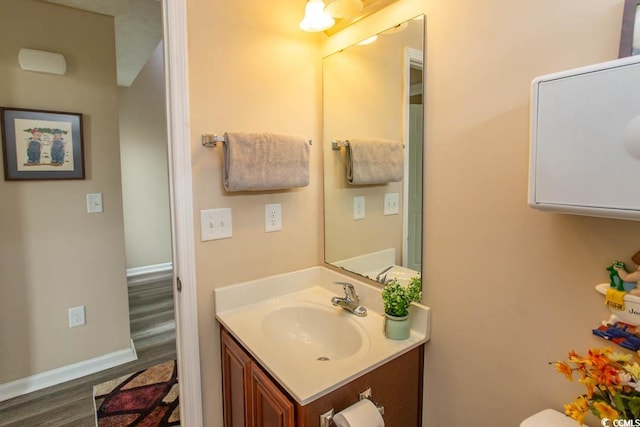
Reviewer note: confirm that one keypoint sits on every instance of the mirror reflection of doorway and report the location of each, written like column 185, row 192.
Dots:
column 414, row 113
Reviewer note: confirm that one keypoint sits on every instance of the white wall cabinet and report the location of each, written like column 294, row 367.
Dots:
column 585, row 141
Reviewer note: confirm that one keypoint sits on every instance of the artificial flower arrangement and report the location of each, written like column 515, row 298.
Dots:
column 612, row 381
column 397, row 298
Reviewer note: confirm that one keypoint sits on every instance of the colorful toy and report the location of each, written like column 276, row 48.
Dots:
column 614, row 276
column 625, row 276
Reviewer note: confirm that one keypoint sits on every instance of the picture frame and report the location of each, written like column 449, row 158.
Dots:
column 630, row 33
column 41, row 145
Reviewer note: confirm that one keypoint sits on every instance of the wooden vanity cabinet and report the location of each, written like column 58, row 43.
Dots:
column 253, row 399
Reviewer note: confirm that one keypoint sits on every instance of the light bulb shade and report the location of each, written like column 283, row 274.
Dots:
column 343, row 8
column 315, row 19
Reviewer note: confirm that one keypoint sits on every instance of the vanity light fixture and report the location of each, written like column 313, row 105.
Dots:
column 42, row 61
column 315, row 18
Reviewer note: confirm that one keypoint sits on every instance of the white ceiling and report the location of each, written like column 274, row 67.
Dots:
column 138, row 27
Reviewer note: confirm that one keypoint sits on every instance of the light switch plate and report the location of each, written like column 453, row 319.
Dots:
column 94, row 203
column 391, row 203
column 215, row 224
column 358, row 207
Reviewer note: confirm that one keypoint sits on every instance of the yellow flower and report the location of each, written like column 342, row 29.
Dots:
column 577, row 409
column 612, row 382
column 620, row 357
column 605, row 411
column 590, row 384
column 633, row 369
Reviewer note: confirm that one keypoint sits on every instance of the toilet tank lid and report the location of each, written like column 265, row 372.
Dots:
column 549, row 418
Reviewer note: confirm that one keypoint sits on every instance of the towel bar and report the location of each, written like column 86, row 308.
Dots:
column 211, row 140
column 336, row 144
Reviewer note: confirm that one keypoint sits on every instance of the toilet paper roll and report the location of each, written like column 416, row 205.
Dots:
column 361, row 414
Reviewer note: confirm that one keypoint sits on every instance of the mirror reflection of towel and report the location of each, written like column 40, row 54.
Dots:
column 264, row 161
column 374, row 161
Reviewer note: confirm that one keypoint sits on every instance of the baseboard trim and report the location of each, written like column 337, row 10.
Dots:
column 149, row 273
column 66, row 373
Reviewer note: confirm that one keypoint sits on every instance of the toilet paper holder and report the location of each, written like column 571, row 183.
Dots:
column 326, row 419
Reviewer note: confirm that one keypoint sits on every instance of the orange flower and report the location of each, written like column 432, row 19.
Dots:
column 575, row 357
column 606, row 375
column 605, row 411
column 612, row 383
column 565, row 369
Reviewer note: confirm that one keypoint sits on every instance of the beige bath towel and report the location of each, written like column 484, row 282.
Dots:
column 264, row 161
column 374, row 161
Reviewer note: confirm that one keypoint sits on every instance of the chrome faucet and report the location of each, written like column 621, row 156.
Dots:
column 382, row 276
column 350, row 302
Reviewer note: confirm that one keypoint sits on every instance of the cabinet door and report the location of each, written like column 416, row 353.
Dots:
column 270, row 407
column 236, row 380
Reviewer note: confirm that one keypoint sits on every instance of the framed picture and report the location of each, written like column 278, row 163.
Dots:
column 630, row 34
column 41, row 145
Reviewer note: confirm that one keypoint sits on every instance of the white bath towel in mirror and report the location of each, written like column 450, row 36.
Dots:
column 374, row 161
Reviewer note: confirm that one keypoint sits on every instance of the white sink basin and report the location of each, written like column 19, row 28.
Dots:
column 309, row 346
column 315, row 333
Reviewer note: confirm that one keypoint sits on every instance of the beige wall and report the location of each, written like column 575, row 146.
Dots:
column 143, row 153
column 510, row 288
column 53, row 255
column 362, row 95
column 251, row 69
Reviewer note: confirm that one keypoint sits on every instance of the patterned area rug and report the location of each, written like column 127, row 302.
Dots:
column 146, row 398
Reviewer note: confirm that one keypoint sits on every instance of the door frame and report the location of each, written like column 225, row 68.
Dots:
column 412, row 58
column 176, row 67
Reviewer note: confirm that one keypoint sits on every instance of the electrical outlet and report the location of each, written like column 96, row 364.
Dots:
column 391, row 203
column 77, row 316
column 272, row 217
column 358, row 207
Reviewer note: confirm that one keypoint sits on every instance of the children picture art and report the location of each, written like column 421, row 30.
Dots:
column 41, row 145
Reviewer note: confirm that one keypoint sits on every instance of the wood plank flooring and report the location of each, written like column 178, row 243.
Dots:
column 71, row 404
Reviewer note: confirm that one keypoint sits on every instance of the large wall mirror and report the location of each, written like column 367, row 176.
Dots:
column 373, row 90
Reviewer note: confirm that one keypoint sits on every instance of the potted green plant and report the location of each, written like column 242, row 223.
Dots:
column 397, row 299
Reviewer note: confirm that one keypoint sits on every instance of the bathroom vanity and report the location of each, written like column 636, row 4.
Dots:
column 250, row 393
column 289, row 356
